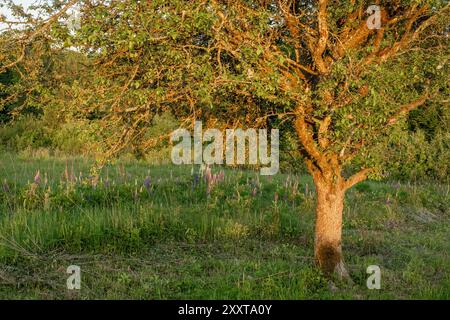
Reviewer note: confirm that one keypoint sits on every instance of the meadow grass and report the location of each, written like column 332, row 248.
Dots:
column 154, row 232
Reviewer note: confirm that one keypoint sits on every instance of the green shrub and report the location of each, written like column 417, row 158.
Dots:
column 413, row 157
column 77, row 137
column 28, row 132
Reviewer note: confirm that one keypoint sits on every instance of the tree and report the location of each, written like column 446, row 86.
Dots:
column 37, row 72
column 315, row 67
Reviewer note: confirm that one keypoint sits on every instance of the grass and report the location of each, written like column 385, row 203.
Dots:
column 164, row 237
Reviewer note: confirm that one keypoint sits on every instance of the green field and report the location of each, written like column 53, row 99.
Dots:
column 250, row 238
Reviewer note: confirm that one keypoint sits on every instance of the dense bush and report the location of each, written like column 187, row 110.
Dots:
column 413, row 157
column 27, row 132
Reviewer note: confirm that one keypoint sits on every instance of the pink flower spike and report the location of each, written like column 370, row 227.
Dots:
column 37, row 177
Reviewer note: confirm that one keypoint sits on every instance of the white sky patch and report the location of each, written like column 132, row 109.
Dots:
column 8, row 15
column 74, row 12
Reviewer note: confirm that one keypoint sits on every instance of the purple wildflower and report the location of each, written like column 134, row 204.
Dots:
column 37, row 177
column 211, row 179
column 207, row 174
column 147, row 184
column 196, row 180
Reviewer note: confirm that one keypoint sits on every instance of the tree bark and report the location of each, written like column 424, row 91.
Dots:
column 328, row 229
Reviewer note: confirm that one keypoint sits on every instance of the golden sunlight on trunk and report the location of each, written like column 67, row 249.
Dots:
column 328, row 230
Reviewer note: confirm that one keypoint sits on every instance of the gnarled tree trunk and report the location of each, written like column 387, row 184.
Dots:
column 326, row 169
column 328, row 230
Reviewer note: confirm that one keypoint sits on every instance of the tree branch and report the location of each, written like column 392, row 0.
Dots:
column 405, row 109
column 305, row 136
column 31, row 37
column 323, row 37
column 357, row 177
